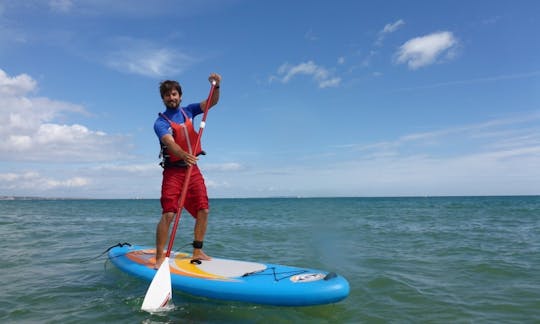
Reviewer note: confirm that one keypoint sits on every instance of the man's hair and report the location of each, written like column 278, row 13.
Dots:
column 169, row 85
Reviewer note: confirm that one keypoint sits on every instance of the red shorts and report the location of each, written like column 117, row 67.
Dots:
column 171, row 189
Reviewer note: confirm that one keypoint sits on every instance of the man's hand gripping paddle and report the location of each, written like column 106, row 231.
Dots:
column 160, row 291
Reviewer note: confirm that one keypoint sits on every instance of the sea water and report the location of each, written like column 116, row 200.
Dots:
column 408, row 260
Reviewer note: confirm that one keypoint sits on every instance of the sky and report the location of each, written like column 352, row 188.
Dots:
column 318, row 98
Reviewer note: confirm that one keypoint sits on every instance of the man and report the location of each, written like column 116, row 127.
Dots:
column 178, row 137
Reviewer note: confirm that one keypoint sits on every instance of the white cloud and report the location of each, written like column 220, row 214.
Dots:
column 30, row 180
column 127, row 169
column 224, row 167
column 321, row 75
column 214, row 185
column 514, row 76
column 62, row 6
column 426, row 50
column 310, row 35
column 116, row 9
column 517, row 134
column 101, row 180
column 389, row 28
column 495, row 157
column 491, row 172
column 29, row 131
column 491, row 20
column 147, row 59
column 16, row 86
column 43, row 155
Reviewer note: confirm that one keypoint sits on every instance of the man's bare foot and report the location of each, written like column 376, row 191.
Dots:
column 198, row 254
column 159, row 261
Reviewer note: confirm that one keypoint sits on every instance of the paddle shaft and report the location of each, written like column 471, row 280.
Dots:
column 183, row 195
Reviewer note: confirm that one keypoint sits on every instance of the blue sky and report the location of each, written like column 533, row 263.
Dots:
column 341, row 98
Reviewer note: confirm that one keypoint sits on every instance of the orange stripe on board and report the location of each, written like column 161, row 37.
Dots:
column 181, row 265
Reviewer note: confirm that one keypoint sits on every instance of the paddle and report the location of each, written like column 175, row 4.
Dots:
column 160, row 291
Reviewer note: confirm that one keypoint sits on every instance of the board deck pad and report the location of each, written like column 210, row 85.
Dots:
column 236, row 280
column 230, row 268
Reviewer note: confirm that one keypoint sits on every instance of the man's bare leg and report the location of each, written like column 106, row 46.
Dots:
column 199, row 231
column 162, row 233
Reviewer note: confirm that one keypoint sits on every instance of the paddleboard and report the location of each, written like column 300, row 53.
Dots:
column 235, row 280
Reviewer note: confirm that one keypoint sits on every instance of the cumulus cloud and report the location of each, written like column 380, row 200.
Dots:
column 319, row 74
column 426, row 50
column 30, row 131
column 30, row 180
column 16, row 86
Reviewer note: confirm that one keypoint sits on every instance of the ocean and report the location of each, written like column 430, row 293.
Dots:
column 408, row 260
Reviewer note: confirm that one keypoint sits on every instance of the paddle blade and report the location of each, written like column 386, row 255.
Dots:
column 160, row 291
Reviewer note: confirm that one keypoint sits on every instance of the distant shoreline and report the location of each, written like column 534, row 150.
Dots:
column 19, row 198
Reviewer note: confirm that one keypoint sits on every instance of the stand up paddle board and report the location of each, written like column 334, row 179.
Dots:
column 253, row 282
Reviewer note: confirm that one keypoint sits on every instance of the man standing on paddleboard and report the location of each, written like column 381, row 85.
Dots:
column 177, row 136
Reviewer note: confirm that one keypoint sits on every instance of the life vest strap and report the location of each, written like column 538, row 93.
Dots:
column 166, row 163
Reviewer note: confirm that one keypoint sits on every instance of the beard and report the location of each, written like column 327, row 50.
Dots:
column 173, row 104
